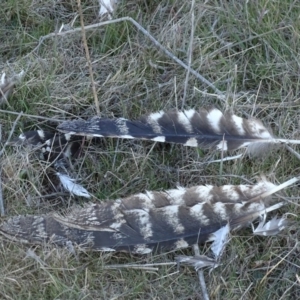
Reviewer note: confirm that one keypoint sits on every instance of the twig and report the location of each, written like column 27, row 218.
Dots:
column 2, row 210
column 149, row 267
column 246, row 291
column 88, row 58
column 147, row 156
column 11, row 133
column 227, row 158
column 203, row 285
column 201, row 275
column 115, row 155
column 190, row 51
column 31, row 116
column 292, row 151
column 220, row 94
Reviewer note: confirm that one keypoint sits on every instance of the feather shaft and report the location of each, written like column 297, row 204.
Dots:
column 285, row 141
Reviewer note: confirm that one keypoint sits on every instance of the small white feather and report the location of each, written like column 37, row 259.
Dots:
column 107, row 7
column 197, row 261
column 74, row 188
column 2, row 80
column 220, row 238
column 272, row 227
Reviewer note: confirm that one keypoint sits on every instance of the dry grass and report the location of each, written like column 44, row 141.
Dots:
column 250, row 50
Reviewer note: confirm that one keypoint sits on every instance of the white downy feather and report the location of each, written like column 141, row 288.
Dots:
column 2, row 80
column 197, row 261
column 74, row 188
column 106, row 7
column 220, row 238
column 272, row 227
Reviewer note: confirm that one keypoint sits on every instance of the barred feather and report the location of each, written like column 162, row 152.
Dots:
column 203, row 128
column 148, row 221
column 193, row 128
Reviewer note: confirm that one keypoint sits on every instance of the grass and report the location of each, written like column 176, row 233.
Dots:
column 247, row 49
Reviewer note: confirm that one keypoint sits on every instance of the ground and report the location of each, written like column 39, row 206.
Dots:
column 249, row 50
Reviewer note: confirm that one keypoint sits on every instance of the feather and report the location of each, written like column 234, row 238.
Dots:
column 7, row 85
column 74, row 188
column 53, row 146
column 220, row 238
column 33, row 137
column 107, row 7
column 203, row 128
column 197, row 261
column 149, row 221
column 272, row 227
